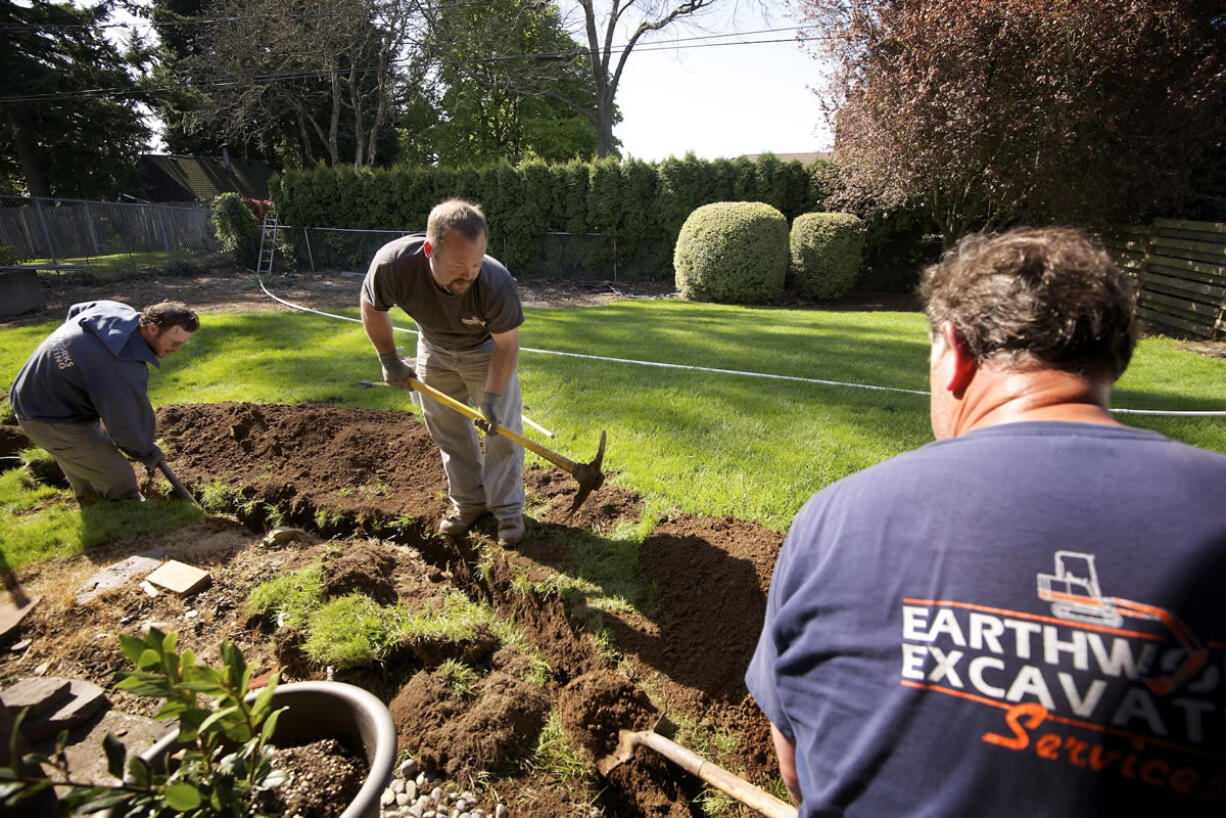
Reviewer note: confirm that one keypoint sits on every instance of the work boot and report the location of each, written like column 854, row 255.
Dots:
column 457, row 522
column 511, row 531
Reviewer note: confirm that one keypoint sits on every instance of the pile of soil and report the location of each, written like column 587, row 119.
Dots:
column 369, row 489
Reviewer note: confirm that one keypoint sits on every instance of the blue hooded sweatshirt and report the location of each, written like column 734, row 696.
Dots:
column 93, row 368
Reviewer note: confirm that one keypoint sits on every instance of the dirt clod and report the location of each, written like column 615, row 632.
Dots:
column 597, row 705
column 496, row 724
column 362, row 567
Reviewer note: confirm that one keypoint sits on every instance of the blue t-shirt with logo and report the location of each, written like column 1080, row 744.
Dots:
column 1029, row 619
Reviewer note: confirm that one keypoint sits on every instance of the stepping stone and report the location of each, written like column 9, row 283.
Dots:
column 118, row 575
column 86, row 758
column 84, row 700
column 180, row 578
column 37, row 693
column 11, row 616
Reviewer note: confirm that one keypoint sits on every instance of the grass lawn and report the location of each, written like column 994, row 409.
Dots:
column 113, row 265
column 693, row 441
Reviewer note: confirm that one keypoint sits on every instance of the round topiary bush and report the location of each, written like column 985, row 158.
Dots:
column 826, row 253
column 732, row 253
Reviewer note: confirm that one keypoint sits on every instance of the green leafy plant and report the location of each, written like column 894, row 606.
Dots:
column 226, row 752
column 236, row 227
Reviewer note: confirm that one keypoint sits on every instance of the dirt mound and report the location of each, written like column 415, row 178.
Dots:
column 375, row 479
column 12, row 441
column 363, row 567
column 597, row 705
column 457, row 731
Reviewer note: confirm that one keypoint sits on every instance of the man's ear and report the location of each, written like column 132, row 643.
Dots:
column 428, row 249
column 963, row 364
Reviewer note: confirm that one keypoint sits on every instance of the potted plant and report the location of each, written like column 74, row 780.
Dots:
column 218, row 761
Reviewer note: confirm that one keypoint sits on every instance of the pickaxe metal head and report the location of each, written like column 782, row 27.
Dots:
column 589, row 476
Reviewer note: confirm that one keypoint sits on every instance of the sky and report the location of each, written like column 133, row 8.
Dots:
column 690, row 90
column 721, row 101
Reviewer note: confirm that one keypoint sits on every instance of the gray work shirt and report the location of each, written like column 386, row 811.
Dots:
column 399, row 276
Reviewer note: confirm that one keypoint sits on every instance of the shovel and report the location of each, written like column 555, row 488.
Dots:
column 588, row 475
column 179, row 488
column 740, row 789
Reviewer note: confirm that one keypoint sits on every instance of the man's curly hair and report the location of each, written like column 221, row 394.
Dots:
column 170, row 314
column 1038, row 298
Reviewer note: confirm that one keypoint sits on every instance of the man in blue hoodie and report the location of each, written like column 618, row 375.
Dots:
column 90, row 373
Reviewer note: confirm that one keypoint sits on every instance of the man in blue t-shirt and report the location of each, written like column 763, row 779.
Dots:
column 1025, row 617
column 93, row 372
column 467, row 310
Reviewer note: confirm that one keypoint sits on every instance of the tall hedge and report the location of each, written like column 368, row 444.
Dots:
column 827, row 250
column 639, row 205
column 732, row 253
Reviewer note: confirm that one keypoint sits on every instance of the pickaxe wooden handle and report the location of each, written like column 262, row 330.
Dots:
column 588, row 475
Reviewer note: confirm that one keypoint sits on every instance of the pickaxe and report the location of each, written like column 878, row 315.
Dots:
column 588, row 475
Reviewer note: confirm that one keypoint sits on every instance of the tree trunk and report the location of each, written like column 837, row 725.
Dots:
column 27, row 149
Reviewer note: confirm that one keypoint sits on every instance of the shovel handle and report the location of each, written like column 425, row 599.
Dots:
column 179, row 488
column 467, row 411
column 717, row 776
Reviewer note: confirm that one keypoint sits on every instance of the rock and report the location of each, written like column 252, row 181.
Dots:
column 403, row 800
column 21, row 646
column 11, row 616
column 415, row 810
column 410, row 788
column 118, row 575
column 397, row 785
column 388, row 798
column 84, row 700
column 42, row 669
column 284, row 535
column 164, row 627
column 38, row 694
column 500, row 811
column 409, row 768
column 180, row 578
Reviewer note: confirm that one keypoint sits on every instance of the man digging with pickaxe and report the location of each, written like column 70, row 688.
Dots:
column 467, row 309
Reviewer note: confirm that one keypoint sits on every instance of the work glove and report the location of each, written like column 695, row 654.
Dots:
column 396, row 371
column 152, row 459
column 488, row 400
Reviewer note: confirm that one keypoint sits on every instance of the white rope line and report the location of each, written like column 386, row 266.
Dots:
column 795, row 378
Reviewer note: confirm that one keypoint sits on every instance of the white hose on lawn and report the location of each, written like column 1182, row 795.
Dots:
column 657, row 364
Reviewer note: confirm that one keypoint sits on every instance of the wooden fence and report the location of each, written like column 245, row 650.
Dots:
column 1181, row 267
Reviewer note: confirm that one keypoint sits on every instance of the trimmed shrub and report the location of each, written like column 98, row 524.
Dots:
column 732, row 253
column 236, row 228
column 827, row 249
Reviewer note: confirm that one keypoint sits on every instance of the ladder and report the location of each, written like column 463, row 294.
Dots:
column 268, row 243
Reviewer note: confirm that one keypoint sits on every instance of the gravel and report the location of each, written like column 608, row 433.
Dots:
column 416, row 793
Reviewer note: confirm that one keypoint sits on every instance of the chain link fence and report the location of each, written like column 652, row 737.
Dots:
column 105, row 237
column 572, row 256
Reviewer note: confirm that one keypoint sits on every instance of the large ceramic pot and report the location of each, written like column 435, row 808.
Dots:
column 318, row 710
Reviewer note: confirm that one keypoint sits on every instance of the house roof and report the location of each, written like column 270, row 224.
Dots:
column 201, row 179
column 804, row 158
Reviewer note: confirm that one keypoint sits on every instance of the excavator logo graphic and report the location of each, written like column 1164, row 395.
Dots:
column 1074, row 594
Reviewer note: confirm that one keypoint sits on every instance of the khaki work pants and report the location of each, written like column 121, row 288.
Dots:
column 493, row 481
column 95, row 468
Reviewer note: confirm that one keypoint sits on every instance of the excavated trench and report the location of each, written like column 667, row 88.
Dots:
column 374, row 479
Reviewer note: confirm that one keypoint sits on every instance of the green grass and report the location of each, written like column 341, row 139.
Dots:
column 39, row 523
column 690, row 441
column 112, row 265
column 290, row 598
